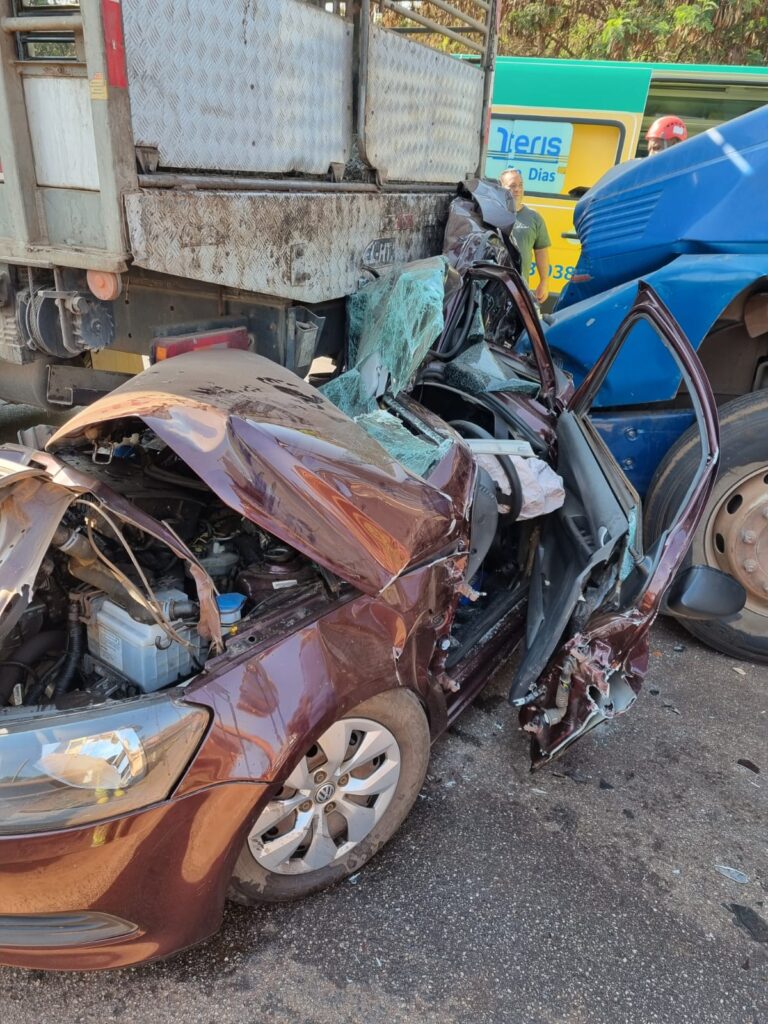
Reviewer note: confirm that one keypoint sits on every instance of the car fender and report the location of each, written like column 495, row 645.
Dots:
column 271, row 705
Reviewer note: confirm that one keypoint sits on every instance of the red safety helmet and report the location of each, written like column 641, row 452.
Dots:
column 668, row 128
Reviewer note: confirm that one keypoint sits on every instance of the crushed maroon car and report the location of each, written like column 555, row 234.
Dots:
column 238, row 606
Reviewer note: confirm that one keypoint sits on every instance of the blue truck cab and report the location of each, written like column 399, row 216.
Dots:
column 693, row 222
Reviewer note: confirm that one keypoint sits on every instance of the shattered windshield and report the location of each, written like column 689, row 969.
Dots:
column 393, row 323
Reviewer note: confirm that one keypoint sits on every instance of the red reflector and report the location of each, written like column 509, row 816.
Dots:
column 166, row 348
column 114, row 44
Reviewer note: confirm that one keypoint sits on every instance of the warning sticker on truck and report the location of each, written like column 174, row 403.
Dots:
column 98, row 86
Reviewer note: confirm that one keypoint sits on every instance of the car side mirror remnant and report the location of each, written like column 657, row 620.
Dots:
column 704, row 592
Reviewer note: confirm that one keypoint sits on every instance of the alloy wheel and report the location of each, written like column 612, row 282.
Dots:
column 331, row 801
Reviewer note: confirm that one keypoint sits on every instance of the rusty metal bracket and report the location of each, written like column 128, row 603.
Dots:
column 79, row 385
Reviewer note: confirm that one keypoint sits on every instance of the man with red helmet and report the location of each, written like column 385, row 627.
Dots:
column 665, row 132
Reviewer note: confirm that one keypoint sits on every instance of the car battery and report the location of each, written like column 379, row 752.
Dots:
column 143, row 652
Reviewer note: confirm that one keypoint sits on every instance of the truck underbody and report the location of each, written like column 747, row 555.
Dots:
column 187, row 172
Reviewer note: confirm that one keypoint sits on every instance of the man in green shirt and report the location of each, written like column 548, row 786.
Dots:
column 529, row 232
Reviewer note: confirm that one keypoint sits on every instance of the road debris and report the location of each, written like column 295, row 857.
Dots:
column 733, row 873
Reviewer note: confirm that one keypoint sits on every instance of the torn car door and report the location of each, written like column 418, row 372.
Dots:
column 594, row 595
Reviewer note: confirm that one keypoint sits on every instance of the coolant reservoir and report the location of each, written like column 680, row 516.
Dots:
column 142, row 652
column 230, row 609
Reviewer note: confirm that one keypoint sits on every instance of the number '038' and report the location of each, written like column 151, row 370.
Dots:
column 557, row 272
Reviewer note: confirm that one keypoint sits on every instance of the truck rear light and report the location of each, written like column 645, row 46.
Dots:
column 166, row 348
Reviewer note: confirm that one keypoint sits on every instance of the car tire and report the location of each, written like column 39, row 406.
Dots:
column 731, row 533
column 396, row 715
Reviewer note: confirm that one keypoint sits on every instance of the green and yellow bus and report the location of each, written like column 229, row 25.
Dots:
column 563, row 123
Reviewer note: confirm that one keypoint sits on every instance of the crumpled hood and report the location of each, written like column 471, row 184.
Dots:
column 283, row 456
column 35, row 492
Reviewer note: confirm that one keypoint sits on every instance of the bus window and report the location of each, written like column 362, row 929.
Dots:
column 597, row 146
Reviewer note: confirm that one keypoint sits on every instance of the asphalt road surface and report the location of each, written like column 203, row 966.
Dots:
column 588, row 892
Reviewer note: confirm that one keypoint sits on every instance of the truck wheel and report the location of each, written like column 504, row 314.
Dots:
column 733, row 533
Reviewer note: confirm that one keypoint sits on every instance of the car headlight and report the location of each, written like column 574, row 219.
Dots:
column 72, row 768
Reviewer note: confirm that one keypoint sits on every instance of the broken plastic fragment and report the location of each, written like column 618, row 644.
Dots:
column 447, row 684
column 468, row 591
column 733, row 873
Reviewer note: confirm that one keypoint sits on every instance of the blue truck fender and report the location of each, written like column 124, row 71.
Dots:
column 696, row 288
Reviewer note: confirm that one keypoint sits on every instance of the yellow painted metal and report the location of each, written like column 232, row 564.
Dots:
column 117, row 362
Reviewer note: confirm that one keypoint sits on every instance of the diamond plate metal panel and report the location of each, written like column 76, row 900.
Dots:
column 304, row 246
column 244, row 85
column 423, row 111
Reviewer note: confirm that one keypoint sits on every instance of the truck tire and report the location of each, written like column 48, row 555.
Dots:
column 733, row 533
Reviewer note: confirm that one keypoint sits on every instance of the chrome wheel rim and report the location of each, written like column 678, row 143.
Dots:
column 331, row 800
column 736, row 533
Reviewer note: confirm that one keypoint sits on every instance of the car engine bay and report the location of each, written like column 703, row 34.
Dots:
column 116, row 613
column 119, row 603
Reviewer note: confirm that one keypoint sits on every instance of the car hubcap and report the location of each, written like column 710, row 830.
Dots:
column 736, row 538
column 331, row 800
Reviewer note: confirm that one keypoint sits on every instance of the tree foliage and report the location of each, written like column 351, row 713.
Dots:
column 699, row 31
column 696, row 31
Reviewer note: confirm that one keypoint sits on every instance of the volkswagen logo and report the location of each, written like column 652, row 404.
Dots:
column 324, row 794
